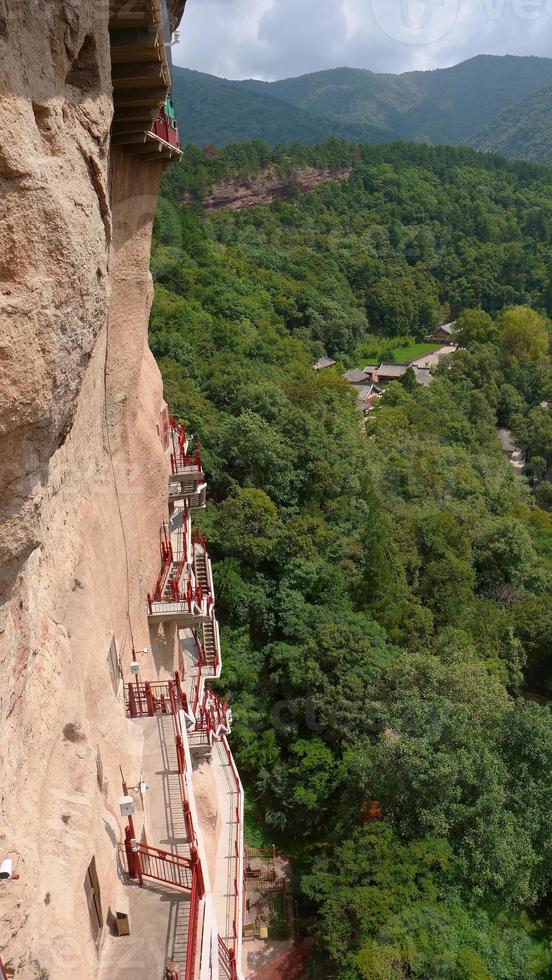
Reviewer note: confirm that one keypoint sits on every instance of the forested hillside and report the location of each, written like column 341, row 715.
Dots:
column 218, row 111
column 385, row 591
column 523, row 131
column 442, row 106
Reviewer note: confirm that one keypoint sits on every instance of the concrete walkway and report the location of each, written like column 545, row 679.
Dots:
column 159, row 915
column 159, row 932
column 226, row 864
column 164, row 823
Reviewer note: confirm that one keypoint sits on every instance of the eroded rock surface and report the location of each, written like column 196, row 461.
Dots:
column 268, row 186
column 82, row 473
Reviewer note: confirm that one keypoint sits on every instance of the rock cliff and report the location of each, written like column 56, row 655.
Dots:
column 235, row 195
column 83, row 477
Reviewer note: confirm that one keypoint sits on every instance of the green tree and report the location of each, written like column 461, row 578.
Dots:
column 475, row 327
column 522, row 336
column 247, row 525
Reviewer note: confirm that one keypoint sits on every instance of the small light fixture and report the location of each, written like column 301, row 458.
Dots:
column 6, row 869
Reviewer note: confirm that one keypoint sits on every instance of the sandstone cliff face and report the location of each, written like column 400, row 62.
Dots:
column 82, row 474
column 235, row 195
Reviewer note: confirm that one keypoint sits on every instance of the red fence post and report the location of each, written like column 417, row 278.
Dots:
column 150, row 700
column 197, row 867
column 180, row 753
column 131, row 702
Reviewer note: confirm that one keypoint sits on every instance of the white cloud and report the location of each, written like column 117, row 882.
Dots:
column 278, row 38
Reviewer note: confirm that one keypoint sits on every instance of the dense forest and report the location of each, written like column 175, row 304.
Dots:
column 384, row 588
column 523, row 130
column 441, row 106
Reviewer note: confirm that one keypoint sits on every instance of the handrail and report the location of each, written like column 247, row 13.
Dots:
column 149, row 697
column 178, row 430
column 3, row 971
column 197, row 878
column 145, row 861
column 228, row 958
column 204, row 669
column 237, row 876
column 187, row 599
column 192, row 929
column 182, row 461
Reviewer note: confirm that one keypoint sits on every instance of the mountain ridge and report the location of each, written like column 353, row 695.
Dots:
column 442, row 105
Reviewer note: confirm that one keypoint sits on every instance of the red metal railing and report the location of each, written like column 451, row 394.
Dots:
column 227, row 958
column 200, row 539
column 3, row 973
column 143, row 861
column 204, row 668
column 187, row 597
column 198, row 888
column 167, row 559
column 181, row 762
column 192, row 930
column 178, row 435
column 146, row 699
column 237, row 835
column 186, row 461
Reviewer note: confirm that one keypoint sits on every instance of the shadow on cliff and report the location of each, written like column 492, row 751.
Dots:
column 163, row 644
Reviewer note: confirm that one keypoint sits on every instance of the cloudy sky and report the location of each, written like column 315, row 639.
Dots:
column 277, row 38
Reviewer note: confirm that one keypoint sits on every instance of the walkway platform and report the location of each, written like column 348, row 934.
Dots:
column 159, row 932
column 159, row 914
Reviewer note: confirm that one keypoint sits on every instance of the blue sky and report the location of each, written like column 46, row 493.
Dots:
column 278, row 38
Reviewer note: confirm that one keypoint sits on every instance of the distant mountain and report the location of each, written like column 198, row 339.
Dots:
column 442, row 106
column 524, row 130
column 218, row 111
column 449, row 105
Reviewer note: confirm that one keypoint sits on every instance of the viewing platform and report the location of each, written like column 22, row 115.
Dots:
column 165, row 877
column 189, row 492
column 186, row 467
column 185, row 608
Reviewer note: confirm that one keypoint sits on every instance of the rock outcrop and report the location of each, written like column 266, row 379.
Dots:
column 83, row 478
column 268, row 186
